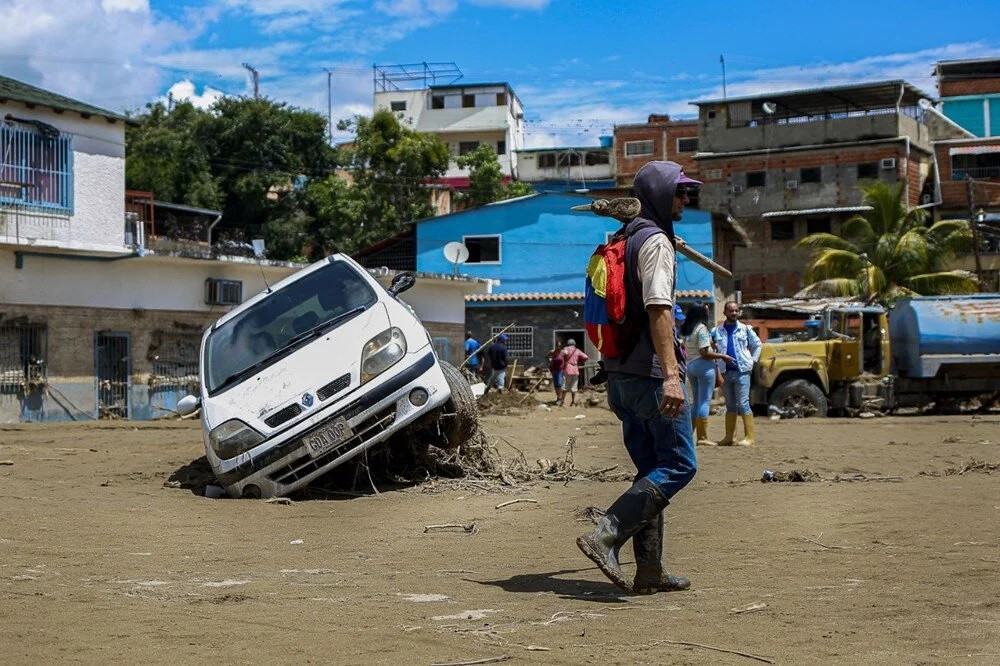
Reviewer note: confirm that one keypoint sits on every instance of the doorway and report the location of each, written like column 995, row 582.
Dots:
column 113, row 375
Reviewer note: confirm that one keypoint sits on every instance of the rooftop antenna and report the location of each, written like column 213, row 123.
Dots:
column 258, row 251
column 456, row 253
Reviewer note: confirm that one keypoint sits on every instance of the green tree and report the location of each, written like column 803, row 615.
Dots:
column 888, row 252
column 167, row 155
column 486, row 179
column 391, row 165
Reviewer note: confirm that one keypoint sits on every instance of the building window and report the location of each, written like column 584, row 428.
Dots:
column 868, row 171
column 569, row 159
column 595, row 158
column 638, row 148
column 782, row 230
column 818, row 225
column 36, row 168
column 546, row 160
column 399, row 105
column 986, row 165
column 687, row 145
column 223, row 292
column 466, row 147
column 756, row 179
column 811, row 175
column 482, row 249
column 23, row 355
column 520, row 340
column 437, row 101
column 468, row 101
column 501, row 147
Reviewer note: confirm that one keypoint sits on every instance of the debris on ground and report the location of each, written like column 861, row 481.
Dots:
column 495, row 403
column 793, row 476
column 980, row 466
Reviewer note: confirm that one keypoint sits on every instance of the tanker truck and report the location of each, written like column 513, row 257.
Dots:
column 941, row 349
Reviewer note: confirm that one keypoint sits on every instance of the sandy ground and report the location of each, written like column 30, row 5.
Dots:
column 102, row 563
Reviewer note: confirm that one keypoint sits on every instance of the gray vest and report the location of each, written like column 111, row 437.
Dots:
column 642, row 359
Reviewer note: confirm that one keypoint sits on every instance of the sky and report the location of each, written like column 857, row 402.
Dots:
column 579, row 67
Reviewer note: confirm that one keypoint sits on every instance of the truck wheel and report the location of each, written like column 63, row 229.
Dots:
column 459, row 420
column 800, row 396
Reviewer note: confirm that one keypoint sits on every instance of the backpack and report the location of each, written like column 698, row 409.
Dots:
column 604, row 300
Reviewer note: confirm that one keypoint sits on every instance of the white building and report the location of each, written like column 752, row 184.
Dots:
column 463, row 116
column 99, row 315
column 569, row 168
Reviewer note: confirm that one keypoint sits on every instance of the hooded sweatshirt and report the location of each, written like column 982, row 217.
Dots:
column 654, row 186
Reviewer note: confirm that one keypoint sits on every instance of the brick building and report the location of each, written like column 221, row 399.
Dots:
column 660, row 138
column 784, row 165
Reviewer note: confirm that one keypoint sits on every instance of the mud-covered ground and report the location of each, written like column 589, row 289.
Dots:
column 898, row 561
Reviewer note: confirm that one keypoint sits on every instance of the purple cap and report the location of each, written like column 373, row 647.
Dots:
column 685, row 180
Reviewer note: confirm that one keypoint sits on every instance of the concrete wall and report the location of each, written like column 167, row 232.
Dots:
column 545, row 320
column 98, row 219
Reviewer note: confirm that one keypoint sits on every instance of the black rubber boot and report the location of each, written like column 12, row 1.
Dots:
column 629, row 513
column 647, row 544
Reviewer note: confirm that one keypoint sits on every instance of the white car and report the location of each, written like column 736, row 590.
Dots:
column 314, row 371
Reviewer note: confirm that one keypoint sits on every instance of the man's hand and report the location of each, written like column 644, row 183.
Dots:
column 673, row 397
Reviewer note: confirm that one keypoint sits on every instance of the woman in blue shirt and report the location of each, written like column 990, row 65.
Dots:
column 743, row 347
column 701, row 360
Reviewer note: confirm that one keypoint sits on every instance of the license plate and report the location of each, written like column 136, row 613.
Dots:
column 328, row 438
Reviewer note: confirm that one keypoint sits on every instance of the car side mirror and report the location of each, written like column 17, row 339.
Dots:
column 188, row 404
column 401, row 283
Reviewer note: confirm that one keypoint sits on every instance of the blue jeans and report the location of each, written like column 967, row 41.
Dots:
column 498, row 379
column 701, row 372
column 661, row 448
column 736, row 389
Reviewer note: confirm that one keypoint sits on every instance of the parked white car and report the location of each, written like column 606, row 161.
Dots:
column 314, row 371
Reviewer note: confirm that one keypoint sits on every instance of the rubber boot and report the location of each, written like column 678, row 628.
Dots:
column 748, row 436
column 637, row 506
column 730, row 431
column 701, row 433
column 650, row 577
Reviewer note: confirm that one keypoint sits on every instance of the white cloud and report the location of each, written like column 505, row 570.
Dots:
column 513, row 4
column 125, row 6
column 185, row 91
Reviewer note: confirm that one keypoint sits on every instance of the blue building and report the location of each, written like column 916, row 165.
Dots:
column 970, row 94
column 537, row 250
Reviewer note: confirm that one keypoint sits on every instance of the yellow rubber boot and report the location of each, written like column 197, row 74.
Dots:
column 730, row 431
column 701, row 433
column 748, row 437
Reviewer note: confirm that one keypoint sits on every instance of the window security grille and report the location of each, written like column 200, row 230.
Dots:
column 22, row 357
column 520, row 340
column 223, row 292
column 638, row 148
column 36, row 169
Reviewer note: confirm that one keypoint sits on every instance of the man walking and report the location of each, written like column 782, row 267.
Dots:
column 740, row 343
column 646, row 390
column 572, row 358
column 497, row 353
column 472, row 357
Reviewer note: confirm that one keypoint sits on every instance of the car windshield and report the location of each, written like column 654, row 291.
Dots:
column 278, row 324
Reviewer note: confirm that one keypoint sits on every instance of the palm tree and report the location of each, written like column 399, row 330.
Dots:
column 888, row 252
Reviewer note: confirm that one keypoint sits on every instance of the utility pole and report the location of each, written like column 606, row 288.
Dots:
column 975, row 231
column 329, row 100
column 256, row 79
column 722, row 60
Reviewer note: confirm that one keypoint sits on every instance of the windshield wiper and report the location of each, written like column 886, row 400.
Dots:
column 319, row 329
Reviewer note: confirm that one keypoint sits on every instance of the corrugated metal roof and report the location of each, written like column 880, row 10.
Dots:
column 817, row 211
column 562, row 296
column 876, row 94
column 11, row 89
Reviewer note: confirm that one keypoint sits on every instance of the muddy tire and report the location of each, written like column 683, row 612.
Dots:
column 459, row 416
column 799, row 395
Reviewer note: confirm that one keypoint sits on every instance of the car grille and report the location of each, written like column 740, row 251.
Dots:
column 368, row 429
column 276, row 419
column 336, row 386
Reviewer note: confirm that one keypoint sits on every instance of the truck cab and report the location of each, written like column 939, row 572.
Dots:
column 841, row 367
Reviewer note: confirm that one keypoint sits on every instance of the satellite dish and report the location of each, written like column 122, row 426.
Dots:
column 924, row 103
column 456, row 253
column 769, row 108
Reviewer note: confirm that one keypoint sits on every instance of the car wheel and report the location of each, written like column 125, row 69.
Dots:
column 459, row 418
column 801, row 397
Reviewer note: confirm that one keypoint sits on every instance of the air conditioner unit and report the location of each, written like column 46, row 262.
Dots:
column 737, row 189
column 791, row 184
column 888, row 163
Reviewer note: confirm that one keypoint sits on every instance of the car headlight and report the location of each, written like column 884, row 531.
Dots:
column 382, row 352
column 233, row 438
